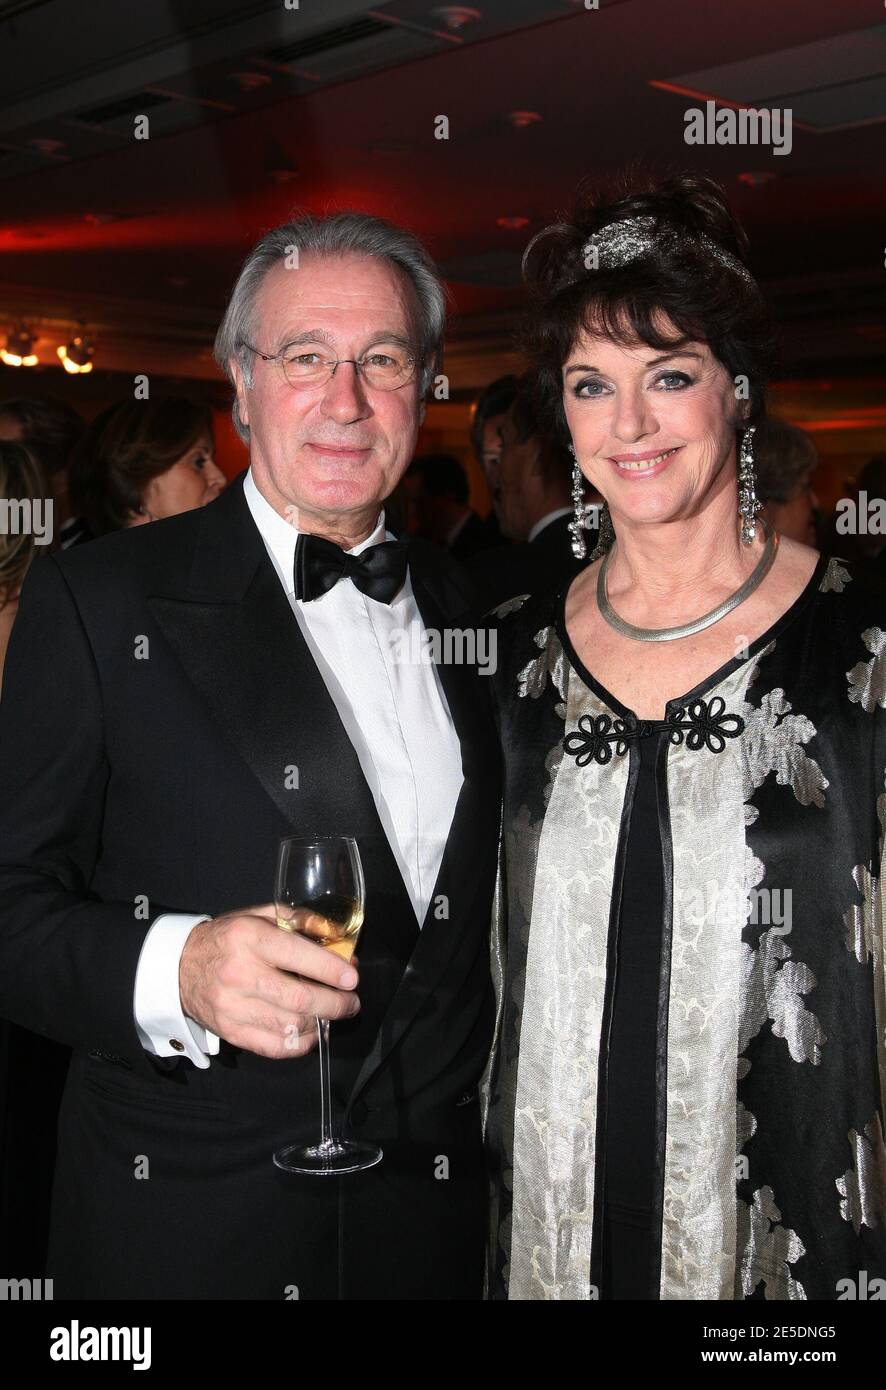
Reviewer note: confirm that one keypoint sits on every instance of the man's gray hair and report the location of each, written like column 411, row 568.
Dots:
column 337, row 234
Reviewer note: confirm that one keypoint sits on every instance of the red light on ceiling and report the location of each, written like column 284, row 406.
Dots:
column 512, row 224
column 756, row 178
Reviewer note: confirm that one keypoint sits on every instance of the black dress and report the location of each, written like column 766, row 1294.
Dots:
column 629, row 1173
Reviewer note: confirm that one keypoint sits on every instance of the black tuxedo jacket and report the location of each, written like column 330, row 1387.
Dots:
column 532, row 567
column 157, row 695
column 473, row 538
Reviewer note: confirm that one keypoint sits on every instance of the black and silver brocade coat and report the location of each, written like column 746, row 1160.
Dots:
column 771, row 1049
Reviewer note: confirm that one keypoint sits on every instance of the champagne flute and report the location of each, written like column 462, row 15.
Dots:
column 319, row 892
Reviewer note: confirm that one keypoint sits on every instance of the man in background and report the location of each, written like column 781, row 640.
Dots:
column 785, row 459
column 532, row 496
column 487, row 418
column 436, row 491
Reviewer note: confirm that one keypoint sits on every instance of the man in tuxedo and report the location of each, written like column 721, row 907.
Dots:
column 177, row 698
column 532, row 494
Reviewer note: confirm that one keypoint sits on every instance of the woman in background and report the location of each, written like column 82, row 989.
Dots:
column 139, row 461
column 20, row 480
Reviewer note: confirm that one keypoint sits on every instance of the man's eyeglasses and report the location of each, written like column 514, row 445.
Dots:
column 386, row 367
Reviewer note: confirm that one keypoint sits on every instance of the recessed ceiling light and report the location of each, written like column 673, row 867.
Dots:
column 76, row 356
column 19, row 349
column 456, row 16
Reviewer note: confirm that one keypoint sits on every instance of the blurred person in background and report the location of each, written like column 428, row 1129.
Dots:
column 870, row 539
column 786, row 460
column 488, row 412
column 487, row 415
column 49, row 429
column 534, row 502
column 21, row 478
column 436, row 492
column 139, row 461
column 32, row 1068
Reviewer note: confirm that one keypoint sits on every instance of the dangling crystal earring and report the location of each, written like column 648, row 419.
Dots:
column 748, row 502
column 605, row 532
column 579, row 523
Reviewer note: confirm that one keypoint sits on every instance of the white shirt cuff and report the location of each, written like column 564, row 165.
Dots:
column 162, row 1025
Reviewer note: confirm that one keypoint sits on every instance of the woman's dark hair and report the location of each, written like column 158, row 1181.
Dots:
column 49, row 429
column 123, row 449
column 679, row 276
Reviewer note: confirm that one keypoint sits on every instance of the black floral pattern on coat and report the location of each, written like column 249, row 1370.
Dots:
column 701, row 724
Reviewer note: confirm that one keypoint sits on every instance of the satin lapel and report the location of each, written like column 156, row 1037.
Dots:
column 240, row 645
column 454, row 911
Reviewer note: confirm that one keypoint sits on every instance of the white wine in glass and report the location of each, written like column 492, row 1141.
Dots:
column 319, row 892
column 334, row 921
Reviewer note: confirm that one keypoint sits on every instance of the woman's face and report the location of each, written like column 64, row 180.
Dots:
column 191, row 482
column 653, row 430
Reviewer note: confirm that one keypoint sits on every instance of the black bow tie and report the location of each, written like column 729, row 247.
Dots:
column 378, row 571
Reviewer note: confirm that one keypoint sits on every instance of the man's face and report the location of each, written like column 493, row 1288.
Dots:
column 517, row 464
column 491, row 456
column 330, row 453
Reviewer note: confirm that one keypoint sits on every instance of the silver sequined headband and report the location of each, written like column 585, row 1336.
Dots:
column 619, row 243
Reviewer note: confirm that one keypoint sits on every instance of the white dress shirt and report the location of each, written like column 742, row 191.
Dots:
column 395, row 713
column 546, row 520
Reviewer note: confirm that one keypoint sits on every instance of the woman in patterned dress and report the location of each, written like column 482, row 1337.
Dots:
column 687, row 1094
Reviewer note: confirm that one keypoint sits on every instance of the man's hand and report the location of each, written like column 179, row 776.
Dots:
column 233, row 980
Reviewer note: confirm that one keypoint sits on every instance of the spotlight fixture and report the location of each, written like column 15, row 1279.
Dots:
column 76, row 355
column 19, row 349
column 455, row 17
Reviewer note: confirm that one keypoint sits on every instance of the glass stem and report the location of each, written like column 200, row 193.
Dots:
column 326, row 1137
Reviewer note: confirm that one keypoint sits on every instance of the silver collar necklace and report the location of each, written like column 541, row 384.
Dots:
column 670, row 634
